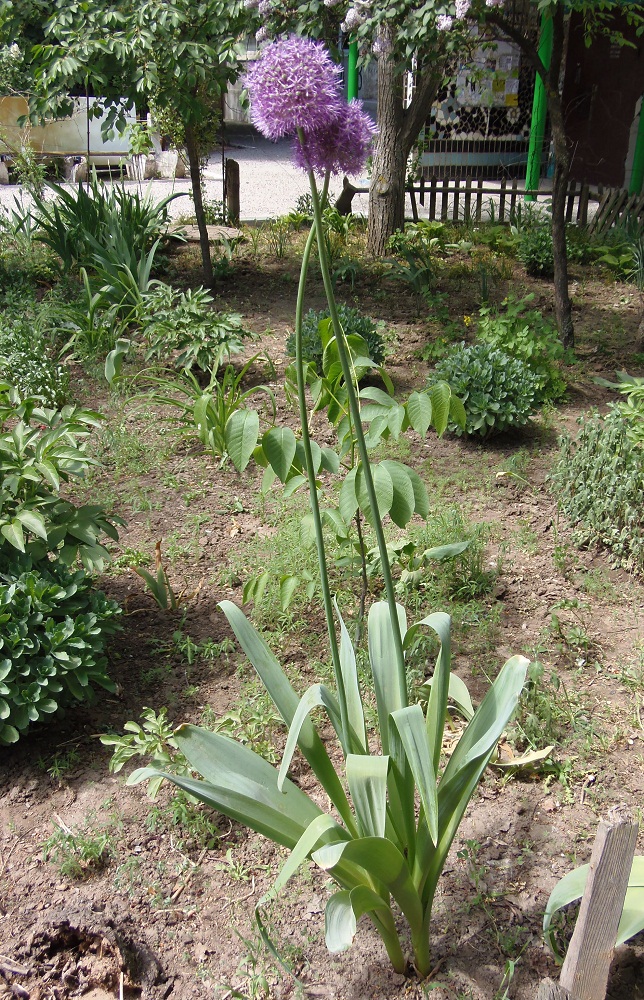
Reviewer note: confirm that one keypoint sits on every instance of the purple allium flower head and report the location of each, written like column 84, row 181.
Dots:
column 340, row 147
column 294, row 84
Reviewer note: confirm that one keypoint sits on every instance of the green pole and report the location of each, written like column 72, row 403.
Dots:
column 637, row 171
column 352, row 72
column 539, row 111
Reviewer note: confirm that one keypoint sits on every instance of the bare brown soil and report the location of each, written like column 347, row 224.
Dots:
column 169, row 914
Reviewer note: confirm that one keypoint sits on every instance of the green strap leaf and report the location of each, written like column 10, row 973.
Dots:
column 317, row 696
column 286, row 700
column 240, row 437
column 339, row 922
column 437, row 703
column 390, row 686
column 410, row 723
column 384, row 862
column 367, row 779
column 349, row 668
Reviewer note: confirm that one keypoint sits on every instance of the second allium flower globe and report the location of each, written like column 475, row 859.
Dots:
column 294, row 89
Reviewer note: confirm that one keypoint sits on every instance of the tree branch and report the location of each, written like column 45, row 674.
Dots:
column 528, row 48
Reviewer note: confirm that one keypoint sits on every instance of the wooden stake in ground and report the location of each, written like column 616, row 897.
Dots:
column 584, row 975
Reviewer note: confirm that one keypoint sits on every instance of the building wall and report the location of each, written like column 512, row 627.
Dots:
column 602, row 88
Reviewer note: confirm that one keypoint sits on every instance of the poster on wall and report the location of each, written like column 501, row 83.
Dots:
column 491, row 79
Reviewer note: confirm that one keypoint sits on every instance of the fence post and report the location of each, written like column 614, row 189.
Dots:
column 584, row 975
column 479, row 200
column 445, row 200
column 232, row 192
column 432, row 200
column 504, row 185
column 468, row 200
column 457, row 195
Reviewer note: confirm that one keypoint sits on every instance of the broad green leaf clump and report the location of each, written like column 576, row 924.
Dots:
column 354, row 323
column 53, row 629
column 497, row 390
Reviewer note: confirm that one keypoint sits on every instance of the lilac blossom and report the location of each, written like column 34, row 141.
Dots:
column 341, row 147
column 353, row 19
column 493, row 3
column 444, row 22
column 462, row 8
column 294, row 84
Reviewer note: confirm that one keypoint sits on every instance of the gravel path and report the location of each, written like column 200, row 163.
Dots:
column 269, row 184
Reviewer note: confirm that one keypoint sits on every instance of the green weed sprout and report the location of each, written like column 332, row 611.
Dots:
column 376, row 847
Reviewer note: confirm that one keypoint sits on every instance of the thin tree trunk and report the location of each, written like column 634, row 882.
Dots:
column 563, row 305
column 398, row 129
column 387, row 189
column 192, row 148
column 552, row 80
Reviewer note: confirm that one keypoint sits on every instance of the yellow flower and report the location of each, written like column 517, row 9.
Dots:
column 467, row 320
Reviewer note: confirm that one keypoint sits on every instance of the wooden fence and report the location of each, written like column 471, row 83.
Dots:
column 448, row 199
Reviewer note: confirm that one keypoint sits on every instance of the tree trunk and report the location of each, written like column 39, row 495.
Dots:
column 387, row 189
column 563, row 305
column 192, row 148
column 398, row 129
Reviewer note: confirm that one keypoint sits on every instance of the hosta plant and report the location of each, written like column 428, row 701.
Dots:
column 53, row 630
column 378, row 847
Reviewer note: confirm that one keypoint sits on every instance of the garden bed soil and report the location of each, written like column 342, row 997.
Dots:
column 169, row 910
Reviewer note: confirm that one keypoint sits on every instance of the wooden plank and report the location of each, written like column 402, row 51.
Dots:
column 617, row 207
column 605, row 197
column 432, row 200
column 513, row 199
column 479, row 200
column 414, row 206
column 504, row 185
column 582, row 210
column 232, row 191
column 587, row 963
column 457, row 195
column 445, row 200
column 549, row 990
column 467, row 212
column 421, row 191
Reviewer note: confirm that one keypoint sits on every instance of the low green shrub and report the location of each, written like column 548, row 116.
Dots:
column 353, row 323
column 53, row 629
column 599, row 483
column 497, row 391
column 187, row 322
column 39, row 449
column 535, row 251
column 26, row 363
column 525, row 334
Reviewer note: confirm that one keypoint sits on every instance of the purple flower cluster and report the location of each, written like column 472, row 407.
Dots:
column 342, row 147
column 294, row 86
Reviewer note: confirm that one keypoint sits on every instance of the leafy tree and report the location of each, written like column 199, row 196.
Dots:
column 178, row 53
column 426, row 37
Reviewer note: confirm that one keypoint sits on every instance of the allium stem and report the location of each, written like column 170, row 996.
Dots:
column 354, row 409
column 313, row 492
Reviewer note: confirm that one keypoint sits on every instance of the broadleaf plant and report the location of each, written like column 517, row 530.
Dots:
column 377, row 847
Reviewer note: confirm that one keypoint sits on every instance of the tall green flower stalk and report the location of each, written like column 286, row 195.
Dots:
column 395, row 804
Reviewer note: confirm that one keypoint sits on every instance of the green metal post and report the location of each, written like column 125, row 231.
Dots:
column 352, row 72
column 637, row 171
column 539, row 111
